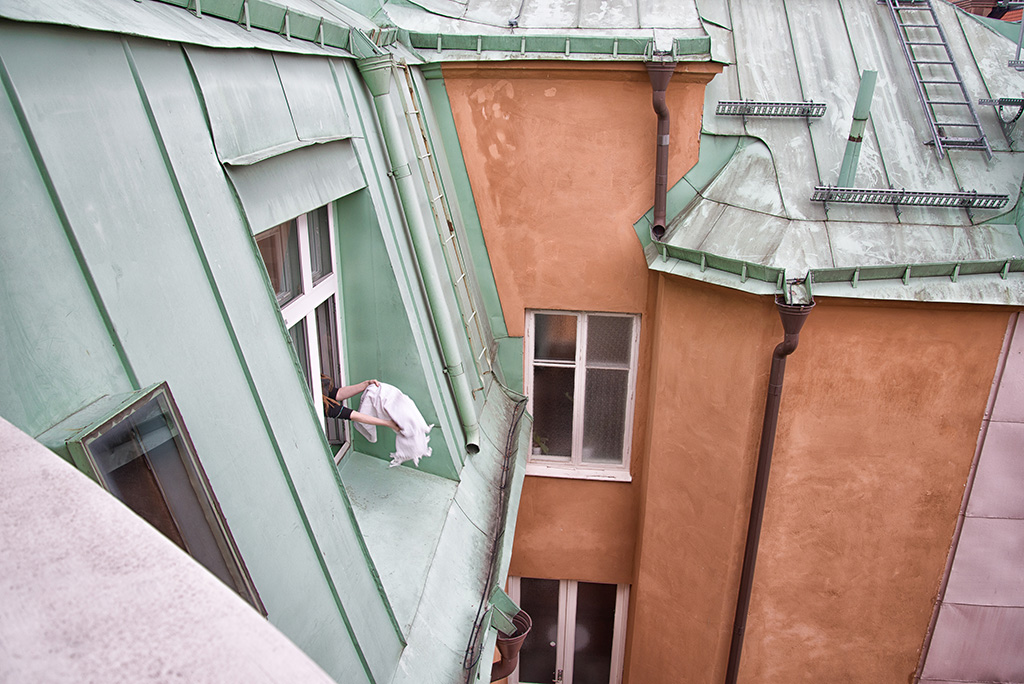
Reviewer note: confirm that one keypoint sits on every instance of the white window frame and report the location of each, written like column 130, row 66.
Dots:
column 575, row 468
column 303, row 308
column 566, row 636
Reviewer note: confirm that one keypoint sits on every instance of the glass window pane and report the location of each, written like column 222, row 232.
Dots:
column 141, row 460
column 319, row 243
column 609, row 339
column 298, row 335
column 330, row 363
column 555, row 337
column 595, row 628
column 604, row 420
column 279, row 248
column 537, row 659
column 552, row 411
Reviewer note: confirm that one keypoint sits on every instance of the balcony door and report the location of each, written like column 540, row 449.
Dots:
column 579, row 631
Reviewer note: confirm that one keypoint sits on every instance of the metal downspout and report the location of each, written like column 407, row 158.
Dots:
column 660, row 73
column 377, row 73
column 793, row 317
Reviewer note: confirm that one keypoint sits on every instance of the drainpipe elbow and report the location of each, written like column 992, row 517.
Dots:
column 660, row 105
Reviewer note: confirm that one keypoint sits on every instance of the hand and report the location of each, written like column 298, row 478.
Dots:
column 367, row 383
column 394, row 426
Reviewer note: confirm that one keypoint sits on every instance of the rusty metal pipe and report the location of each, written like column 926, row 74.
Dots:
column 793, row 318
column 660, row 73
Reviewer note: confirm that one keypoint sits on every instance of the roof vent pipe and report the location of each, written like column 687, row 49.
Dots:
column 860, row 121
column 793, row 317
column 660, row 73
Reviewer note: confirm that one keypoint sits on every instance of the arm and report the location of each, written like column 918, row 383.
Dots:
column 371, row 420
column 343, row 393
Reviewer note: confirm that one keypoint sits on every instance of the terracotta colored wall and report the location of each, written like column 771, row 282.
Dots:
column 711, row 356
column 880, row 415
column 561, row 160
column 880, row 410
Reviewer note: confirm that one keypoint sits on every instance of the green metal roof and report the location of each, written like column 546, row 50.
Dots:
column 749, row 199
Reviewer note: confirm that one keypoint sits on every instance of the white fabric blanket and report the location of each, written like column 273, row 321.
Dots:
column 388, row 402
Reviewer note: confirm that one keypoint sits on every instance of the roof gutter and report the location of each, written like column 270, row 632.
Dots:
column 793, row 318
column 660, row 74
column 377, row 74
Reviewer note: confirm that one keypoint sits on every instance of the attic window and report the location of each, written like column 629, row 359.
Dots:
column 136, row 447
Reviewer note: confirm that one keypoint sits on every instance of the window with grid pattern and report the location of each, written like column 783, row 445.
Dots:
column 299, row 258
column 581, row 379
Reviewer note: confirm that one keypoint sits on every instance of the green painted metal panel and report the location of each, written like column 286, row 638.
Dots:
column 245, row 102
column 952, row 270
column 510, row 356
column 124, row 212
column 285, row 186
column 313, row 97
column 421, row 347
column 379, row 333
column 262, row 345
column 56, row 353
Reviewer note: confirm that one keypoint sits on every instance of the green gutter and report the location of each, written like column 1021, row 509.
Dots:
column 904, row 272
column 268, row 16
column 377, row 74
column 257, row 400
column 744, row 269
column 534, row 45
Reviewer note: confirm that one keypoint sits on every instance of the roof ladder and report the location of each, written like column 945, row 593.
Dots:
column 947, row 106
column 451, row 245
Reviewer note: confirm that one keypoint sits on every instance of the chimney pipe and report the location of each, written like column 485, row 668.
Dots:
column 793, row 318
column 660, row 73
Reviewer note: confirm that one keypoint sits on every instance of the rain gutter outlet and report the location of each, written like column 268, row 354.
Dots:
column 660, row 74
column 793, row 318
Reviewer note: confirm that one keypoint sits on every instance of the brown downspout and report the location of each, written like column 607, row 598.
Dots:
column 793, row 317
column 509, row 646
column 660, row 73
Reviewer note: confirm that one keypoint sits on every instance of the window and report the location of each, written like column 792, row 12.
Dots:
column 581, row 379
column 579, row 631
column 299, row 258
column 136, row 447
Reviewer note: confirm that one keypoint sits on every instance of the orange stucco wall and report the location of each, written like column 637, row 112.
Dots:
column 560, row 157
column 880, row 410
column 880, row 413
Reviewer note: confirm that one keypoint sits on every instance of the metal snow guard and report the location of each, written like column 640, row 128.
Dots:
column 751, row 108
column 966, row 200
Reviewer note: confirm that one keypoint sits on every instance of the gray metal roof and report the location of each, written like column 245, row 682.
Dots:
column 758, row 208
column 596, row 29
